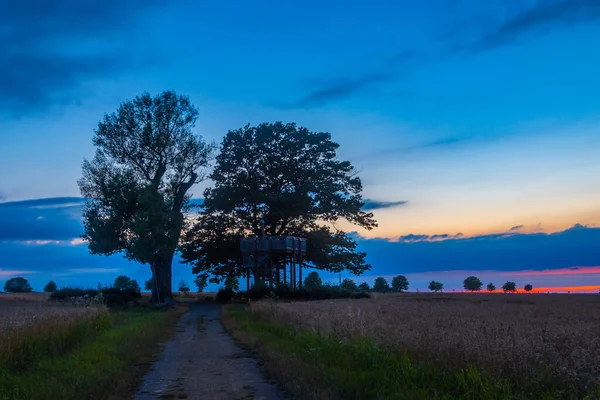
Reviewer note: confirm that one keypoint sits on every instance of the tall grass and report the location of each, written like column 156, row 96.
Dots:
column 539, row 342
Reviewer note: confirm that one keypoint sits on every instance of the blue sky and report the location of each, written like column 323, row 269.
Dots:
column 473, row 117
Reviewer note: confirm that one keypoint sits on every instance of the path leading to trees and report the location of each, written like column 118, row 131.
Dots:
column 203, row 362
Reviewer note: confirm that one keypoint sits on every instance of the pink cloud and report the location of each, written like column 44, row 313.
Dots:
column 15, row 272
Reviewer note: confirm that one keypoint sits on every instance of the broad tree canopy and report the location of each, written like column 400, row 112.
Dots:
column 136, row 187
column 290, row 178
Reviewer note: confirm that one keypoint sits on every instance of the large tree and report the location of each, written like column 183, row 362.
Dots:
column 137, row 185
column 290, row 178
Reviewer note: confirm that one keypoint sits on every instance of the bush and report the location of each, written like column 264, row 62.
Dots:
column 285, row 292
column 225, row 295
column 71, row 292
column 110, row 295
column 115, row 297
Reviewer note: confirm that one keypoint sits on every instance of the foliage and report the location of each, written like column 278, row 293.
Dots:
column 435, row 286
column 312, row 281
column 364, row 287
column 233, row 283
column 509, row 286
column 183, row 287
column 225, row 295
column 133, row 285
column 121, row 282
column 491, row 287
column 17, row 285
column 284, row 292
column 472, row 283
column 291, row 179
column 201, row 282
column 349, row 285
column 136, row 187
column 528, row 287
column 381, row 285
column 399, row 283
column 50, row 287
column 149, row 285
column 117, row 298
column 72, row 292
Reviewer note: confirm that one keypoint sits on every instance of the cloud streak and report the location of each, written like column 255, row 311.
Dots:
column 371, row 205
column 44, row 51
column 543, row 17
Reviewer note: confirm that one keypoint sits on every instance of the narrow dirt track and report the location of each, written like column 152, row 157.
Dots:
column 203, row 362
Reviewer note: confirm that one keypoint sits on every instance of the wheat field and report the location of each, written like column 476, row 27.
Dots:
column 536, row 340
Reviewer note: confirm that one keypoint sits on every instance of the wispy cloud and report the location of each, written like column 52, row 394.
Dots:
column 36, row 67
column 543, row 17
column 15, row 272
column 516, row 228
column 559, row 271
column 371, row 205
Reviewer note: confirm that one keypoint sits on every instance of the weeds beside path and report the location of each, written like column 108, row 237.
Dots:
column 314, row 366
column 105, row 363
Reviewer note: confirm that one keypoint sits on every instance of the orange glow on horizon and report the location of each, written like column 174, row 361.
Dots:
column 561, row 289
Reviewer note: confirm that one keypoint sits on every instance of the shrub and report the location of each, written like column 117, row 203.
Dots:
column 225, row 295
column 364, row 287
column 349, row 285
column 491, row 287
column 472, row 283
column 50, row 287
column 313, row 281
column 72, row 293
column 17, row 285
column 381, row 285
column 399, row 283
column 435, row 286
column 285, row 292
column 115, row 297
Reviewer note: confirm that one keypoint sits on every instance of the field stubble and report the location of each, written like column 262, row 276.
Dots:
column 536, row 341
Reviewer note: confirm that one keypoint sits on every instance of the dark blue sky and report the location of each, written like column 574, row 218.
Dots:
column 469, row 117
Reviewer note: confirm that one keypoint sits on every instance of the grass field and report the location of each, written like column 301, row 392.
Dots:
column 51, row 351
column 430, row 345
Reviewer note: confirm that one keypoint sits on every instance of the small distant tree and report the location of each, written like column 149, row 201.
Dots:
column 399, row 283
column 491, row 287
column 201, row 282
column 50, row 287
column 509, row 287
column 381, row 285
column 349, row 285
column 472, row 283
column 134, row 285
column 149, row 284
column 17, row 285
column 122, row 282
column 364, row 287
column 528, row 287
column 233, row 283
column 183, row 287
column 312, row 281
column 435, row 286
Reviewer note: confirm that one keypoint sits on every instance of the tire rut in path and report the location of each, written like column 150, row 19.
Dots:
column 203, row 362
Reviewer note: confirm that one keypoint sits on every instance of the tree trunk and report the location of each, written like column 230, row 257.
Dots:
column 163, row 278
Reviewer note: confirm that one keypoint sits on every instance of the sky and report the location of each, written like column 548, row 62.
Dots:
column 475, row 125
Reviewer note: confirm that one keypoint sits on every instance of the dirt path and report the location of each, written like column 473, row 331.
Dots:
column 203, row 362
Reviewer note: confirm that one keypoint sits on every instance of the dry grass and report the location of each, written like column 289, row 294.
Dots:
column 536, row 341
column 31, row 327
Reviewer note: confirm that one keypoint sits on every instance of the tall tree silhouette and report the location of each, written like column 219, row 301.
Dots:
column 291, row 179
column 136, row 187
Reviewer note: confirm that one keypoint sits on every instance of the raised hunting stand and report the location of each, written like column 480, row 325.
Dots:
column 268, row 259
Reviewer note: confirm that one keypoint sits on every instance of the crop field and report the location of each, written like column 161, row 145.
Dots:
column 534, row 342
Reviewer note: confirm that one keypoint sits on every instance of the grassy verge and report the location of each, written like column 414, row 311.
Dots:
column 312, row 366
column 108, row 363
